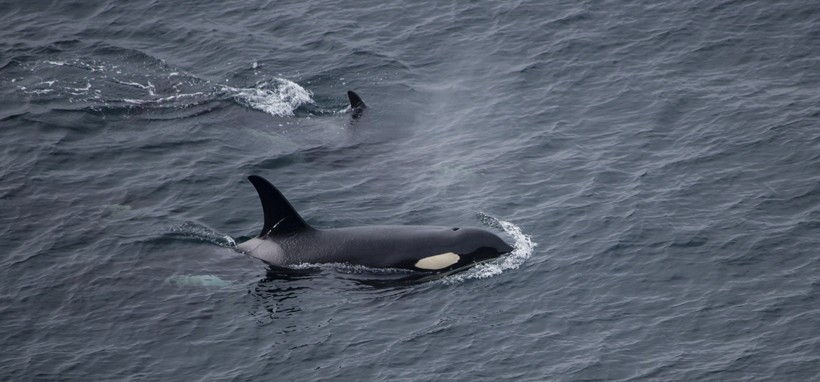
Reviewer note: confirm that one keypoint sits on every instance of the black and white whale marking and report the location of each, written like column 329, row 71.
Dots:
column 286, row 240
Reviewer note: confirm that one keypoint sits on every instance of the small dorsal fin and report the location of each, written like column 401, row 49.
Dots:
column 280, row 217
column 355, row 101
column 356, row 104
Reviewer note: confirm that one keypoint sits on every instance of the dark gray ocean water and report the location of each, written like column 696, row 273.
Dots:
column 656, row 165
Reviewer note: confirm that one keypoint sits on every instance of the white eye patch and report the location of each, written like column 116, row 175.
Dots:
column 437, row 262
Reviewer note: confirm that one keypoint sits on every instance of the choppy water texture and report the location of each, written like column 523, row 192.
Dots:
column 655, row 163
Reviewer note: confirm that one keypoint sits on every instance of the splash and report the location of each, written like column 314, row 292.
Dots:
column 278, row 97
column 523, row 250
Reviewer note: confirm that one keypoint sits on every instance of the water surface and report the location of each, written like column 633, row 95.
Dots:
column 654, row 163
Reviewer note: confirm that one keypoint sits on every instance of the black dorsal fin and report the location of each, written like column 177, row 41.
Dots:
column 356, row 104
column 280, row 217
column 355, row 101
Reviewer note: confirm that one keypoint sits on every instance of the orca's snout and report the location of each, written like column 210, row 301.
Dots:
column 482, row 238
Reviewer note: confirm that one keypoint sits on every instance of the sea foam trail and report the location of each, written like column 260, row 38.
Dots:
column 101, row 84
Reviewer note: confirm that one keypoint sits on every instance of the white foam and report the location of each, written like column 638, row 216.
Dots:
column 523, row 250
column 149, row 87
column 41, row 91
column 279, row 97
column 163, row 101
column 80, row 90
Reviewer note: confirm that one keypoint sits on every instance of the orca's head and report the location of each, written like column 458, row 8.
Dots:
column 479, row 238
column 467, row 247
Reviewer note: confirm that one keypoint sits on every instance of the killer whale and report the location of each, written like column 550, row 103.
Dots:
column 286, row 239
